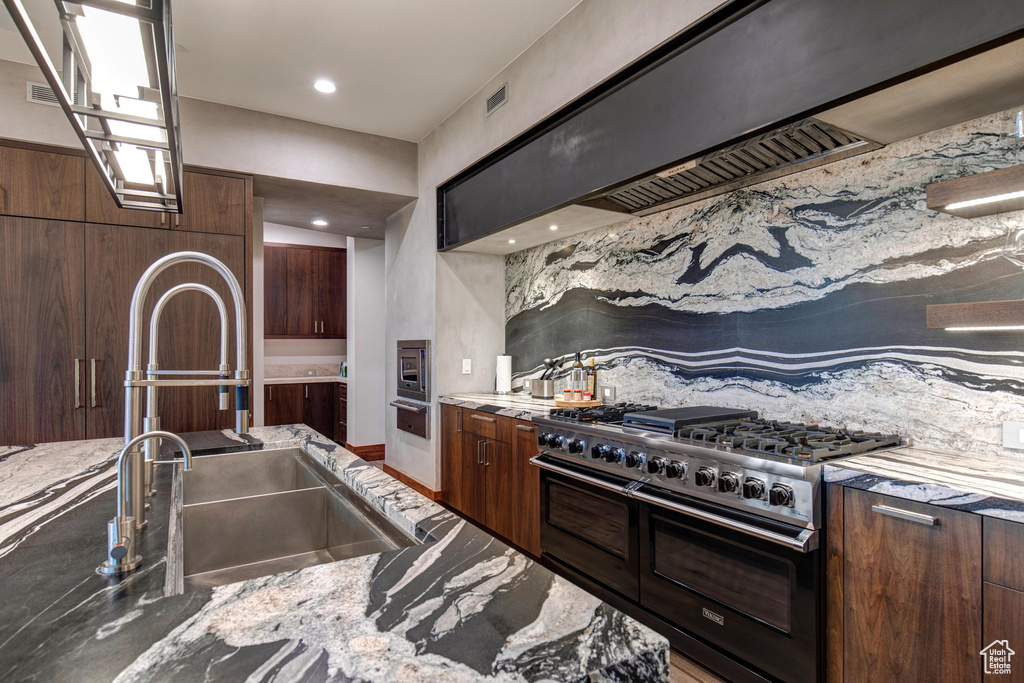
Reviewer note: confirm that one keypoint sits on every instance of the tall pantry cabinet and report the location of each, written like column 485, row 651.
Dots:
column 69, row 262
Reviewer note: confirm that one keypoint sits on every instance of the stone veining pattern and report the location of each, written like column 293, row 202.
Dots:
column 461, row 606
column 803, row 297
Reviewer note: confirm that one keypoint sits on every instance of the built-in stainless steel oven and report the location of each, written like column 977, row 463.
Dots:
column 414, row 369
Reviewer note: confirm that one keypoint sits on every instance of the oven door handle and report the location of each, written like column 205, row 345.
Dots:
column 805, row 542
column 600, row 483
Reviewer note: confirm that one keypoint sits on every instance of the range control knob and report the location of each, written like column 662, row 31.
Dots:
column 615, row 455
column 656, row 465
column 728, row 482
column 635, row 459
column 780, row 494
column 544, row 439
column 705, row 476
column 599, row 451
column 676, row 469
column 753, row 488
column 556, row 441
column 576, row 446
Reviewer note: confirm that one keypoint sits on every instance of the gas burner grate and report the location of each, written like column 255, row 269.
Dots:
column 606, row 414
column 788, row 439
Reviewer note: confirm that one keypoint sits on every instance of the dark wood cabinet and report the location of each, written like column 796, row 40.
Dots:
column 43, row 371
column 341, row 428
column 911, row 590
column 116, row 257
column 1004, row 627
column 38, row 184
column 210, row 203
column 304, row 292
column 318, row 407
column 486, row 474
column 283, row 404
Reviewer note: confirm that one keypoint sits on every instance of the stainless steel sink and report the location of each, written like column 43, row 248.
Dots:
column 238, row 516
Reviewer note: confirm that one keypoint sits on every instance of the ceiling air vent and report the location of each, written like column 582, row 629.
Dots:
column 40, row 93
column 786, row 150
column 499, row 98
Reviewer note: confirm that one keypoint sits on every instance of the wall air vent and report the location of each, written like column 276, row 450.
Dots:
column 40, row 93
column 786, row 150
column 499, row 98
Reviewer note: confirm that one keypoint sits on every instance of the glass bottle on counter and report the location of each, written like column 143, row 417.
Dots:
column 577, row 379
column 592, row 379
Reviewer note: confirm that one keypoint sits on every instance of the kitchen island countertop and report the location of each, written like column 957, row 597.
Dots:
column 990, row 485
column 461, row 606
column 518, row 405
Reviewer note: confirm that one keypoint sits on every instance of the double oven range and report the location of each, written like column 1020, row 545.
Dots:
column 707, row 519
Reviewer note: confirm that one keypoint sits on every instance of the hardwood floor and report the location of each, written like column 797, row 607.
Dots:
column 683, row 670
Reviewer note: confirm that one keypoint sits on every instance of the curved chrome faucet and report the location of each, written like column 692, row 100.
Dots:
column 152, row 421
column 135, row 378
column 122, row 555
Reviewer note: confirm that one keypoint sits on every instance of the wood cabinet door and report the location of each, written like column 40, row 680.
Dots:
column 318, row 407
column 912, row 591
column 275, row 292
column 100, row 207
column 502, row 499
column 451, row 452
column 1004, row 621
column 42, row 331
column 212, row 203
column 469, row 489
column 116, row 257
column 41, row 184
column 300, row 279
column 330, row 292
column 283, row 404
column 526, row 508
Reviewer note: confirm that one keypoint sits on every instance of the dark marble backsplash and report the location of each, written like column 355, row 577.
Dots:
column 802, row 297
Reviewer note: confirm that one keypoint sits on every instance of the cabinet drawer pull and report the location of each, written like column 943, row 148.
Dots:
column 78, row 382
column 482, row 418
column 524, row 428
column 905, row 515
column 93, row 379
column 458, row 421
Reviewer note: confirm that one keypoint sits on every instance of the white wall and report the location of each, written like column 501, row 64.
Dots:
column 365, row 294
column 457, row 300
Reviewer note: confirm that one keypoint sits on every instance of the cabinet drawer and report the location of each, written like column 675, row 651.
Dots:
column 343, row 391
column 1003, row 622
column 486, row 425
column 1004, row 545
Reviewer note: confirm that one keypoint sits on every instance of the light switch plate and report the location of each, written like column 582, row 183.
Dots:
column 607, row 393
column 1013, row 435
column 527, row 385
column 467, row 366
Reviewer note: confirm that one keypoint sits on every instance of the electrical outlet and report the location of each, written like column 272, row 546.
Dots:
column 467, row 366
column 1013, row 435
column 310, row 373
column 527, row 385
column 607, row 393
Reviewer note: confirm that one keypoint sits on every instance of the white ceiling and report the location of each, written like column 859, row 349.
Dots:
column 401, row 66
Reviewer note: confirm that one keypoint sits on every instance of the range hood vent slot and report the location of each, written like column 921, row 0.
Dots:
column 790, row 149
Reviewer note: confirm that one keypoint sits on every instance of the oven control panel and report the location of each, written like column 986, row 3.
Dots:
column 787, row 498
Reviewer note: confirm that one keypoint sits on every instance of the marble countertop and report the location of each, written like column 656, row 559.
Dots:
column 460, row 606
column 315, row 379
column 520, row 406
column 991, row 485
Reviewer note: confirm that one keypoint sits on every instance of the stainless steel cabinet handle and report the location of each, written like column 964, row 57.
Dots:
column 479, row 453
column 487, row 453
column 93, row 374
column 458, row 421
column 163, row 219
column 78, row 382
column 270, row 393
column 524, row 428
column 411, row 409
column 307, row 391
column 905, row 515
column 177, row 220
column 482, row 418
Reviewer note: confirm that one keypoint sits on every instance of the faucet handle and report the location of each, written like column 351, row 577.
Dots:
column 118, row 551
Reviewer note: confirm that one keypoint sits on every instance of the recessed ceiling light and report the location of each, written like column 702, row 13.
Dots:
column 553, row 227
column 365, row 227
column 511, row 241
column 320, row 222
column 325, row 86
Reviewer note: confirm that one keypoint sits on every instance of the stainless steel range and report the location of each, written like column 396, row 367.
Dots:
column 708, row 519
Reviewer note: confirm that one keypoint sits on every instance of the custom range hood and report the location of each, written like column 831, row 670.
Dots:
column 789, row 149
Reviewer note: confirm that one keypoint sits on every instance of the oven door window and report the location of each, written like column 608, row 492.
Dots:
column 410, row 369
column 738, row 576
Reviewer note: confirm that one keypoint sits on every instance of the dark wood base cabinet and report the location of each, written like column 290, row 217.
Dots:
column 915, row 594
column 310, row 403
column 486, row 474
